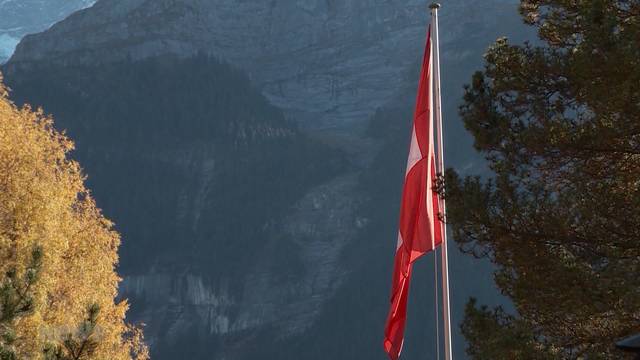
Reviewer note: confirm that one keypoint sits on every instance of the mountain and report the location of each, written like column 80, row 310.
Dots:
column 313, row 57
column 251, row 153
column 210, row 180
column 21, row 17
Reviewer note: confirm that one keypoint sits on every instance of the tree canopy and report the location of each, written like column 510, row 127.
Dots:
column 57, row 251
column 559, row 123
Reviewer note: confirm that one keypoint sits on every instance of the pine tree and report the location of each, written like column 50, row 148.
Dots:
column 79, row 345
column 559, row 123
column 57, row 251
column 16, row 300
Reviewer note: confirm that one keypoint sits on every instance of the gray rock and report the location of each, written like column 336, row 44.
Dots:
column 329, row 65
column 21, row 17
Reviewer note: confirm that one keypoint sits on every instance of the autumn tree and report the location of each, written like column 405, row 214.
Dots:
column 559, row 123
column 57, row 251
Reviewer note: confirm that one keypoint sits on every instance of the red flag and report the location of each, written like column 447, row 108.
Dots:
column 420, row 229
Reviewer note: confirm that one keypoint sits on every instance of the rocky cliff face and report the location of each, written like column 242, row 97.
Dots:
column 326, row 62
column 239, row 219
column 21, row 17
column 295, row 262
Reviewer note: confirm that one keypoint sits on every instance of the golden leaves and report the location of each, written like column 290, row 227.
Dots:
column 43, row 202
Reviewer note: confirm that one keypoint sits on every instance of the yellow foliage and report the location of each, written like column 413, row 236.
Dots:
column 43, row 202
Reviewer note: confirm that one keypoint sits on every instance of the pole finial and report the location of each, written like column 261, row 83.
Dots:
column 434, row 5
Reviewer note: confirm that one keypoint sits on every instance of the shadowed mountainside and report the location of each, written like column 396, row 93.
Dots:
column 244, row 236
column 208, row 178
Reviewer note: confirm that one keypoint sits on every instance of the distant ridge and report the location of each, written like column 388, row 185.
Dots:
column 326, row 63
column 21, row 17
column 325, row 72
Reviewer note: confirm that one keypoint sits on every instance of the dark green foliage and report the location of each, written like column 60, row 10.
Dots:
column 559, row 124
column 80, row 345
column 495, row 334
column 16, row 301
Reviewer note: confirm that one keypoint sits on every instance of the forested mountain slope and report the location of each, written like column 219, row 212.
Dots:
column 258, row 200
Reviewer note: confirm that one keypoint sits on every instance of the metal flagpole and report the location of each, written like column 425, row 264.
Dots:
column 446, row 311
column 435, row 286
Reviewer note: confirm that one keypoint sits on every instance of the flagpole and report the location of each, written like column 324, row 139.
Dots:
column 446, row 310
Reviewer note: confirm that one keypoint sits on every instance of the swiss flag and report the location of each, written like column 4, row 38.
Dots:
column 420, row 228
